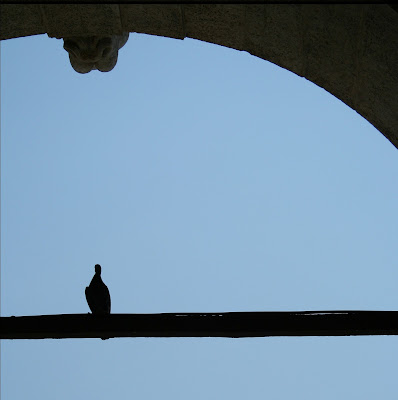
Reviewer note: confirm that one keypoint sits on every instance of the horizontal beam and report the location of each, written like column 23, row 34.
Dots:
column 232, row 324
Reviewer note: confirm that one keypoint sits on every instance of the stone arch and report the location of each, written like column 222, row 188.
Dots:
column 350, row 50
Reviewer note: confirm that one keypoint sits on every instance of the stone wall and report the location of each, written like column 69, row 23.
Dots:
column 350, row 50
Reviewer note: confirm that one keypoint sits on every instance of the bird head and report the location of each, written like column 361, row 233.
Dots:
column 97, row 269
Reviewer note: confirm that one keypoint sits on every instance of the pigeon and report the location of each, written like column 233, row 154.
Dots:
column 97, row 294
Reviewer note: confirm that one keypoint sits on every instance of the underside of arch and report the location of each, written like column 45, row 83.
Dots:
column 350, row 50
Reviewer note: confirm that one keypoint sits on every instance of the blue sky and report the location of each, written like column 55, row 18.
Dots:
column 202, row 179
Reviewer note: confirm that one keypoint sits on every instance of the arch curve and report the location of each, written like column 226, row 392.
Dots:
column 348, row 50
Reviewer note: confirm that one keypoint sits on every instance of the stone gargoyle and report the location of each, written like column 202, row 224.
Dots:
column 94, row 52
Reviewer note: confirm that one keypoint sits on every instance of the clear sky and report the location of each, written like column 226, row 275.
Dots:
column 202, row 179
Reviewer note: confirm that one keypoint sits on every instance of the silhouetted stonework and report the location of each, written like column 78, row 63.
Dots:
column 349, row 50
column 87, row 53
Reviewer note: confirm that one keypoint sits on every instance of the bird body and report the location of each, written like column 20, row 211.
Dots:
column 97, row 294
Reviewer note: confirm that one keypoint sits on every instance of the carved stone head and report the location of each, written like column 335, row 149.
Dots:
column 94, row 52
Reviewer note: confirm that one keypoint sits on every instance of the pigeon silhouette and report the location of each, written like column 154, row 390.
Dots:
column 97, row 294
